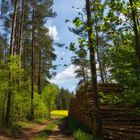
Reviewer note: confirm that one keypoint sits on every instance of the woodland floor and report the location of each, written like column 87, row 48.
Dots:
column 60, row 132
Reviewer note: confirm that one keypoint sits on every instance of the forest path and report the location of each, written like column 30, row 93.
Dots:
column 58, row 134
column 31, row 133
column 27, row 133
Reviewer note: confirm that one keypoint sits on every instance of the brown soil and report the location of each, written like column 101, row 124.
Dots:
column 61, row 132
column 25, row 133
column 58, row 135
column 29, row 133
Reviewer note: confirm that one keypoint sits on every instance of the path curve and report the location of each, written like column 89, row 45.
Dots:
column 31, row 132
column 27, row 133
column 57, row 135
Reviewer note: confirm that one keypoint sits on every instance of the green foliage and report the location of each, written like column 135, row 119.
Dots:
column 81, row 135
column 72, row 46
column 49, row 94
column 15, row 69
column 110, row 98
column 77, row 22
column 132, row 99
column 78, row 131
column 21, row 97
column 62, row 99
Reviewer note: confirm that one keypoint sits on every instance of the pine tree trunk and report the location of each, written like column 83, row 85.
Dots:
column 135, row 28
column 32, row 76
column 98, row 122
column 98, row 54
column 84, row 75
column 3, row 108
column 5, row 51
column 39, row 74
column 99, row 60
column 24, row 60
column 49, row 108
column 21, row 29
column 20, row 36
column 9, row 97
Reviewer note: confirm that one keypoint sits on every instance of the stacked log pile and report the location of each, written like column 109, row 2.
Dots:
column 119, row 123
column 81, row 109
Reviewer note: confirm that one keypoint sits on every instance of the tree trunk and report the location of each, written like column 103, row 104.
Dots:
column 24, row 61
column 135, row 29
column 99, row 60
column 3, row 109
column 20, row 36
column 137, row 38
column 98, row 122
column 84, row 75
column 49, row 107
column 17, row 35
column 39, row 74
column 32, row 77
column 5, row 51
column 8, row 109
column 21, row 29
column 13, row 28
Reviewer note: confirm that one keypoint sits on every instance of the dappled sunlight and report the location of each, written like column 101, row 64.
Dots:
column 69, row 69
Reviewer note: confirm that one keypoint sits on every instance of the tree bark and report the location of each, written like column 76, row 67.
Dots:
column 21, row 29
column 5, row 51
column 98, row 53
column 32, row 63
column 135, row 29
column 9, row 97
column 99, row 60
column 98, row 122
column 49, row 108
column 20, row 36
column 84, row 75
column 39, row 74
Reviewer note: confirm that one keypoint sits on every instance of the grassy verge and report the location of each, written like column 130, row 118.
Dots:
column 16, row 129
column 78, row 131
column 46, row 132
column 26, row 124
column 59, row 114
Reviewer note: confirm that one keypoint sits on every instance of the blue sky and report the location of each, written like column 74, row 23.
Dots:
column 59, row 30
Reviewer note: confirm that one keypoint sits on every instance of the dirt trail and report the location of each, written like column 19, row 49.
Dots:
column 57, row 134
column 29, row 133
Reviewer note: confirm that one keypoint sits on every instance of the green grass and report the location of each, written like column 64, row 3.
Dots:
column 26, row 124
column 46, row 132
column 41, row 120
column 82, row 135
column 59, row 114
column 78, row 131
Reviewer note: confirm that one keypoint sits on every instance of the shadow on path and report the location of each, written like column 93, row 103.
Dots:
column 61, row 132
column 26, row 133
